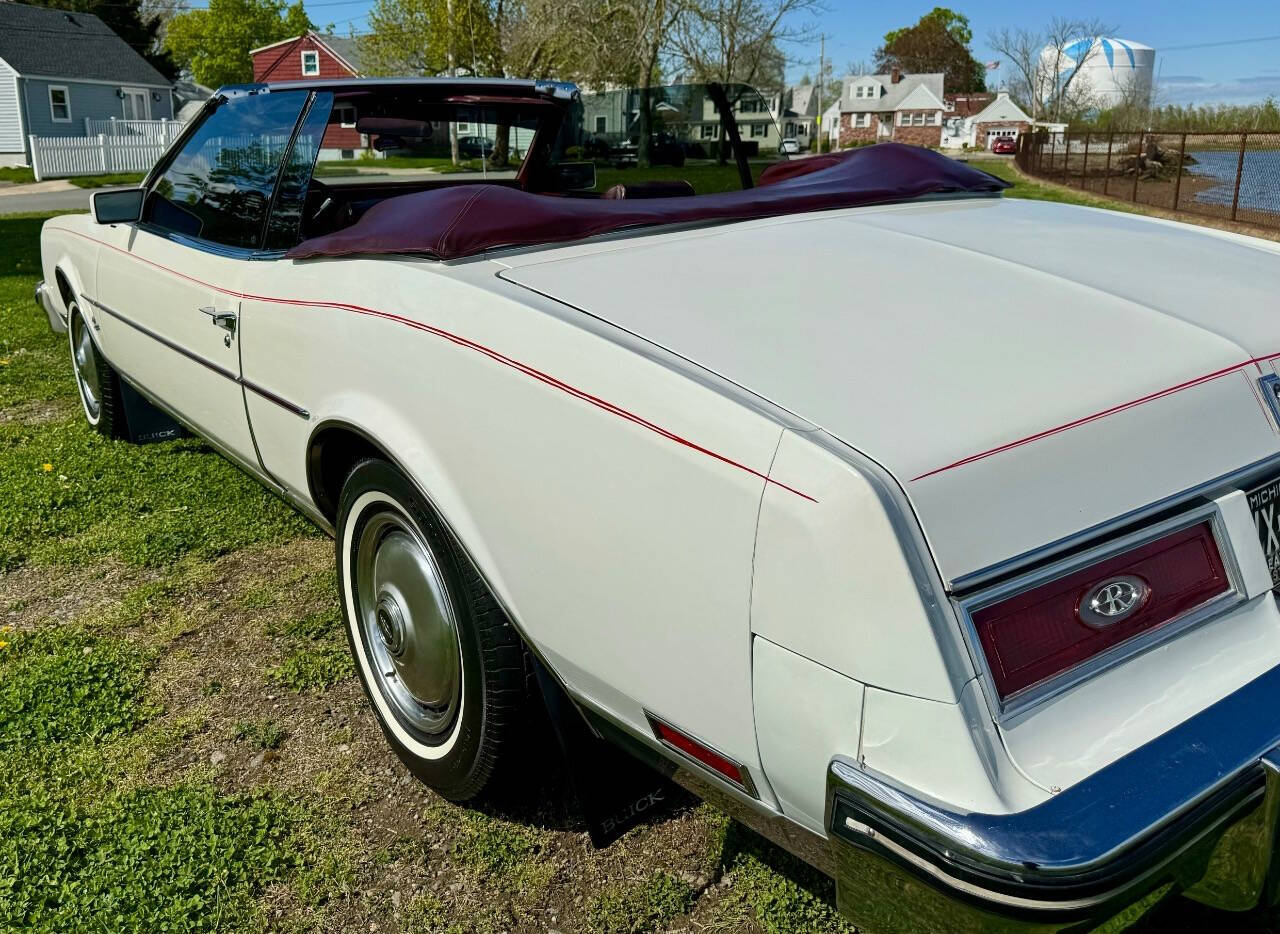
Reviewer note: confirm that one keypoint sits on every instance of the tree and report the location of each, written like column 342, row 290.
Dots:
column 129, row 19
column 1040, row 80
column 431, row 37
column 214, row 43
column 739, row 41
column 938, row 42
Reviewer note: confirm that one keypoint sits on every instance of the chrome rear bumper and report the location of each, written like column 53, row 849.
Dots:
column 1196, row 809
column 44, row 298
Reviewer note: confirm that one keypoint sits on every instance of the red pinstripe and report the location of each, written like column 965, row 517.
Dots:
column 489, row 352
column 1197, row 381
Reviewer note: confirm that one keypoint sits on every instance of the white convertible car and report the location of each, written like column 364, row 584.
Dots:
column 934, row 532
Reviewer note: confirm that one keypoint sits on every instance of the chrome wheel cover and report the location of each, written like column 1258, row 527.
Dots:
column 86, row 366
column 408, row 624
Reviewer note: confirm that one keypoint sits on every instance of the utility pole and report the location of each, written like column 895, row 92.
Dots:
column 822, row 63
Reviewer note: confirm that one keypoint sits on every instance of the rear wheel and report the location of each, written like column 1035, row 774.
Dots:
column 97, row 383
column 437, row 657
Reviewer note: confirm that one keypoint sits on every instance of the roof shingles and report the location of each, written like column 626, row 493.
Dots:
column 38, row 41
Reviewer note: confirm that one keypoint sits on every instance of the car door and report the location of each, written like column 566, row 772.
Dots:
column 169, row 287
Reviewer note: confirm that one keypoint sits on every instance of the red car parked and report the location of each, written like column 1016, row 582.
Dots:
column 1005, row 145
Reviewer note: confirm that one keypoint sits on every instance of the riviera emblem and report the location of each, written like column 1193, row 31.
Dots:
column 1114, row 600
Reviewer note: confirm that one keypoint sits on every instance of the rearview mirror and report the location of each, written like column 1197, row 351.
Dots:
column 116, row 207
column 574, row 176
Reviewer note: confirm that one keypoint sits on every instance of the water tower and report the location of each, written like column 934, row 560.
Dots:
column 1108, row 70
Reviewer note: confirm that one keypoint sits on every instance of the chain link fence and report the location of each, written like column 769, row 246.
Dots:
column 1229, row 176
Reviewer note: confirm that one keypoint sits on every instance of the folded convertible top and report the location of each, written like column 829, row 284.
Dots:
column 463, row 220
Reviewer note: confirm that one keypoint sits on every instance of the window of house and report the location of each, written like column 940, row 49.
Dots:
column 59, row 103
column 935, row 118
column 709, row 130
column 857, row 92
column 345, row 114
column 602, row 123
column 864, row 120
column 760, row 129
column 310, row 63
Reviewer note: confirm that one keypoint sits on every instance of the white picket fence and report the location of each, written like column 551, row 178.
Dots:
column 114, row 126
column 64, row 156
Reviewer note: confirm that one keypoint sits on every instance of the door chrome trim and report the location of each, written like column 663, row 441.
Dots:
column 203, row 361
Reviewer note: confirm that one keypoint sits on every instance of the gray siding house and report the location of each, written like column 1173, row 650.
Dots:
column 58, row 68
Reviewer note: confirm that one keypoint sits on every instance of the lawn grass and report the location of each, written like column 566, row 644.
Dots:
column 103, row 181
column 19, row 174
column 1035, row 191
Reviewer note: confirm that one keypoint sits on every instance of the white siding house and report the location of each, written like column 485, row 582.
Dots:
column 60, row 68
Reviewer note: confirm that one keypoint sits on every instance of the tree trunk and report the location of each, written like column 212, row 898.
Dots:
column 501, row 155
column 453, row 71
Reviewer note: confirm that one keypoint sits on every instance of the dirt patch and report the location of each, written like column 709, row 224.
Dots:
column 387, row 853
column 31, row 595
column 35, row 413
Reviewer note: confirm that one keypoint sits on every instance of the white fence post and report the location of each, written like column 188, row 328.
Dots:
column 102, row 151
column 35, row 157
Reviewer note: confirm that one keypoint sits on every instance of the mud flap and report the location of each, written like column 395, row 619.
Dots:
column 145, row 423
column 617, row 788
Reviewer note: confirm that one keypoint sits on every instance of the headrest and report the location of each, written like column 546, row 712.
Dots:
column 630, row 191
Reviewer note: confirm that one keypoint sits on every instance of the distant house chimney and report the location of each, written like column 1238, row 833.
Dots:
column 895, row 75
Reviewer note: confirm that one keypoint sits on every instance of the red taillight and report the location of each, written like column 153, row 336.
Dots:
column 703, row 754
column 1041, row 632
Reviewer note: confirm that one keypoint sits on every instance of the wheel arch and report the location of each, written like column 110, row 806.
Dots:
column 337, row 444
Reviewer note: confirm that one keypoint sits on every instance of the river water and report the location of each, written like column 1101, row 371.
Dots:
column 1259, row 183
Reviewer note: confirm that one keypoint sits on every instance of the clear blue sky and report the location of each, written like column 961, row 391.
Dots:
column 1228, row 73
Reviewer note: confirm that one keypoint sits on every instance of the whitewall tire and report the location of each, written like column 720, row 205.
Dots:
column 439, row 661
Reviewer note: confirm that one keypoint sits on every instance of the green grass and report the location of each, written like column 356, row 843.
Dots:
column 706, row 179
column 82, row 850
column 264, row 734
column 17, row 173
column 635, row 909
column 102, row 181
column 314, row 669
column 182, row 858
column 86, row 498
column 1035, row 191
column 63, row 685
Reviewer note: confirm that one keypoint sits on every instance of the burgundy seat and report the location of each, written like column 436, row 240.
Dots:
column 630, row 191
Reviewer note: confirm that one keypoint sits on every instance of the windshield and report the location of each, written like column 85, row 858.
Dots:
column 398, row 138
column 673, row 134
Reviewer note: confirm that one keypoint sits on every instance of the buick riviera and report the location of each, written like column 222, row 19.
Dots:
column 933, row 532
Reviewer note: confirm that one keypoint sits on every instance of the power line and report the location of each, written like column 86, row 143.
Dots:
column 1214, row 45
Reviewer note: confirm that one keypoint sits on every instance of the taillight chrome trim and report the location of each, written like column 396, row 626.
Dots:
column 1020, row 702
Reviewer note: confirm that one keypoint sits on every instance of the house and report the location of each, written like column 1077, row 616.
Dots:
column 831, row 124
column 795, row 110
column 316, row 55
column 978, row 120
column 59, row 69
column 894, row 106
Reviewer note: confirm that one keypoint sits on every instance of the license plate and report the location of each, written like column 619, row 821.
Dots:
column 1264, row 501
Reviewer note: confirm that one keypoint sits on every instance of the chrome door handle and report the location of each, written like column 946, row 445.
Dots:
column 221, row 319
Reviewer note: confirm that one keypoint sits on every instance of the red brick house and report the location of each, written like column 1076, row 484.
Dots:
column 978, row 120
column 314, row 55
column 905, row 108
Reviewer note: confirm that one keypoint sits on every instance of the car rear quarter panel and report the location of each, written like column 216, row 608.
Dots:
column 610, row 501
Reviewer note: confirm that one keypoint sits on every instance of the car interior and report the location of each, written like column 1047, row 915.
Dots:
column 395, row 142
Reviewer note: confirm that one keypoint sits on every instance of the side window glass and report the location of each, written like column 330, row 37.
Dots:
column 219, row 185
column 286, row 216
